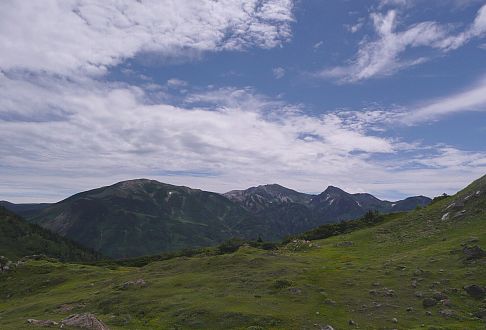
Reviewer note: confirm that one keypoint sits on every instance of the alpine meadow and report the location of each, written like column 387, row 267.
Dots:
column 243, row 164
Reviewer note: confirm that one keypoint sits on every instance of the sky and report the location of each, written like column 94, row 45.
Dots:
column 385, row 96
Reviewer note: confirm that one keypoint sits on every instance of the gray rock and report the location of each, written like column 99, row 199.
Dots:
column 295, row 290
column 475, row 291
column 329, row 302
column 84, row 321
column 140, row 283
column 42, row 323
column 447, row 313
column 326, row 327
column 473, row 252
column 439, row 296
column 481, row 314
column 5, row 264
column 429, row 302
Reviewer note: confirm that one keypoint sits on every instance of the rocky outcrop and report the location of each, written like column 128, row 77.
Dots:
column 42, row 323
column 140, row 283
column 84, row 321
column 5, row 264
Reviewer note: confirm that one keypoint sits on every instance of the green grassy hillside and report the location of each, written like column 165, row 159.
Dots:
column 371, row 278
column 19, row 238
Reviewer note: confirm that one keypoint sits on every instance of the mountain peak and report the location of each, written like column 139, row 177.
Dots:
column 334, row 191
column 259, row 198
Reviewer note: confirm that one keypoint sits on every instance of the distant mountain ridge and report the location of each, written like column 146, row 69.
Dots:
column 141, row 217
column 256, row 199
column 24, row 210
column 332, row 205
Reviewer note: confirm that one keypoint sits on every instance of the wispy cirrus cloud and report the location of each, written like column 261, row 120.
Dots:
column 470, row 99
column 384, row 55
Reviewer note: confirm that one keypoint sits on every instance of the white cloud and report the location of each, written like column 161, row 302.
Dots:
column 176, row 83
column 395, row 3
column 379, row 118
column 473, row 99
column 67, row 131
column 318, row 45
column 66, row 36
column 353, row 28
column 278, row 72
column 88, row 133
column 383, row 56
column 98, row 131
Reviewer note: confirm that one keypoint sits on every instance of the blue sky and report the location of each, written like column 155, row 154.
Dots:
column 385, row 96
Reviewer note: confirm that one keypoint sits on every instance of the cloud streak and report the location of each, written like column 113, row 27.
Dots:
column 384, row 55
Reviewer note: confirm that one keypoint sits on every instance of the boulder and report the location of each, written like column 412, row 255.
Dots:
column 473, row 252
column 294, row 290
column 326, row 327
column 447, row 313
column 140, row 283
column 429, row 302
column 439, row 296
column 5, row 264
column 481, row 314
column 475, row 291
column 84, row 321
column 42, row 323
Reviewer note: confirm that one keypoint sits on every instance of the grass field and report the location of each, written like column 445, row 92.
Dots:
column 371, row 277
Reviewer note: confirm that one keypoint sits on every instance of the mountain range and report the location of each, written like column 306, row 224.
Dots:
column 141, row 217
column 422, row 269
